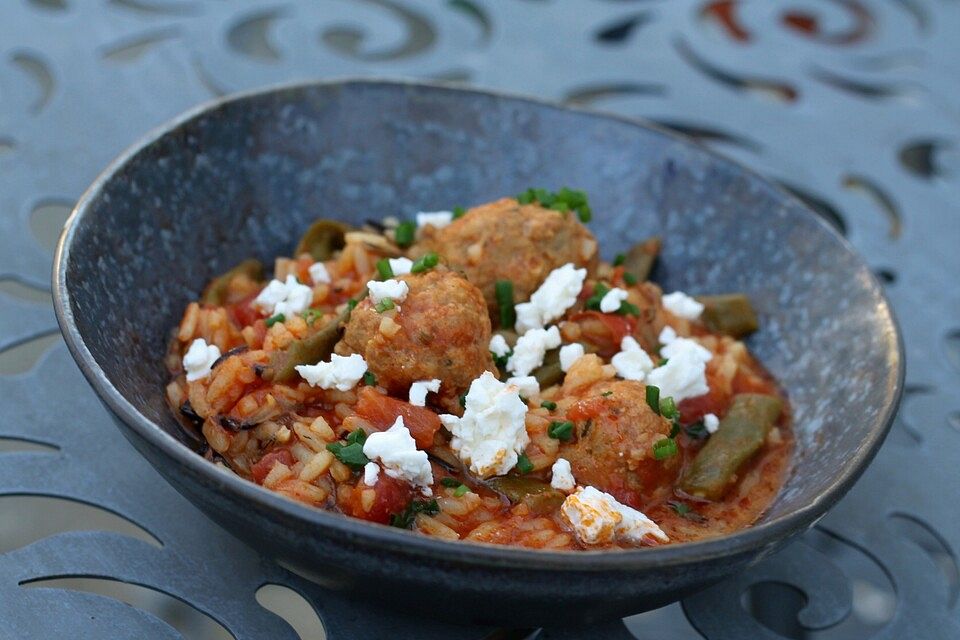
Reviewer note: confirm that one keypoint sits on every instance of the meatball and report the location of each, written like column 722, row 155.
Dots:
column 613, row 447
column 441, row 330
column 505, row 240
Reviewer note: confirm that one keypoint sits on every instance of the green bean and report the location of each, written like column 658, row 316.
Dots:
column 549, row 373
column 322, row 239
column 539, row 496
column 741, row 434
column 309, row 350
column 730, row 314
column 640, row 258
column 216, row 291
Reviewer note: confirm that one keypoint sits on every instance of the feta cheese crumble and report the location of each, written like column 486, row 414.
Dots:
column 492, row 432
column 684, row 375
column 711, row 422
column 400, row 266
column 371, row 472
column 527, row 386
column 397, row 451
column 570, row 353
column 611, row 301
column 341, row 373
column 557, row 294
column 396, row 290
column 598, row 518
column 632, row 362
column 288, row 297
column 438, row 219
column 318, row 273
column 530, row 348
column 199, row 359
column 419, row 389
column 498, row 345
column 667, row 335
column 681, row 305
column 561, row 477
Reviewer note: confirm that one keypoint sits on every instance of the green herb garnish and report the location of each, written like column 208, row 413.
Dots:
column 629, row 278
column 458, row 212
column 549, row 405
column 384, row 268
column 560, row 430
column 460, row 491
column 426, row 262
column 619, row 259
column 563, row 200
column 599, row 290
column 628, row 309
column 351, row 303
column 272, row 320
column 404, row 519
column 370, row 379
column 662, row 361
column 685, row 511
column 405, row 232
column 501, row 361
column 524, row 466
column 653, row 398
column 351, row 454
column 450, row 482
column 665, row 448
column 697, row 430
column 503, row 291
column 668, row 408
column 312, row 315
column 384, row 305
column 463, row 400
column 607, row 394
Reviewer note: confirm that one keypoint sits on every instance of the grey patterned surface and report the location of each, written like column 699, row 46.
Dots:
column 864, row 120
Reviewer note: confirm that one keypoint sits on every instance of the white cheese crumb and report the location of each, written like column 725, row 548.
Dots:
column 371, row 472
column 498, row 345
column 562, row 476
column 683, row 306
column 598, row 518
column 557, row 294
column 438, row 219
column 400, row 266
column 527, row 386
column 341, row 373
column 289, row 297
column 397, row 451
column 396, row 290
column 632, row 363
column 570, row 353
column 684, row 375
column 711, row 422
column 318, row 273
column 492, row 431
column 199, row 358
column 419, row 389
column 612, row 299
column 530, row 348
column 667, row 335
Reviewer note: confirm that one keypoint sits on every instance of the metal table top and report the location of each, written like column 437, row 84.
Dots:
column 852, row 104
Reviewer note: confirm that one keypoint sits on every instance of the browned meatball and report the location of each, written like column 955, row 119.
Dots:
column 613, row 450
column 505, row 240
column 441, row 331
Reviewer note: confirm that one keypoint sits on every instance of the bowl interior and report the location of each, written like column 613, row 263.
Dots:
column 246, row 178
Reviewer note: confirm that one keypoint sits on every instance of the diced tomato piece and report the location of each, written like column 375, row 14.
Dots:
column 392, row 496
column 381, row 412
column 605, row 331
column 262, row 467
column 693, row 409
column 586, row 409
column 243, row 313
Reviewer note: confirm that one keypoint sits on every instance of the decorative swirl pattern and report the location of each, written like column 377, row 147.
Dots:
column 863, row 126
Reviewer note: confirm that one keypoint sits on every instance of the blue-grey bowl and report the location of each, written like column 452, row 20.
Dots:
column 245, row 175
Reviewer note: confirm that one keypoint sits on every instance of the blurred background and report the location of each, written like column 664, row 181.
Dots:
column 852, row 105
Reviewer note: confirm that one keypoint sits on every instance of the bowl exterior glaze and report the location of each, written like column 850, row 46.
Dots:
column 244, row 176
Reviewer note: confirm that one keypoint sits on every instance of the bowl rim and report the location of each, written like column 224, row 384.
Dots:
column 384, row 538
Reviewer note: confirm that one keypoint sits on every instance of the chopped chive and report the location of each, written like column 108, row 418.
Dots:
column 629, row 278
column 370, row 379
column 425, row 262
column 384, row 305
column 461, row 490
column 662, row 361
column 664, row 448
column 668, row 408
column 404, row 233
column 674, row 430
column 653, row 398
column 619, row 259
column 463, row 400
column 503, row 291
column 599, row 290
column 351, row 303
column 458, row 212
column 501, row 361
column 384, row 269
column 628, row 309
column 563, row 201
column 607, row 394
column 272, row 320
column 560, row 430
column 524, row 466
column 450, row 482
column 312, row 315
column 549, row 405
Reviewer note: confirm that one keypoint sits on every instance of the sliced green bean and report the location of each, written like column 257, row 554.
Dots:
column 216, row 291
column 730, row 314
column 309, row 350
column 539, row 496
column 322, row 239
column 741, row 434
column 640, row 258
column 549, row 373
